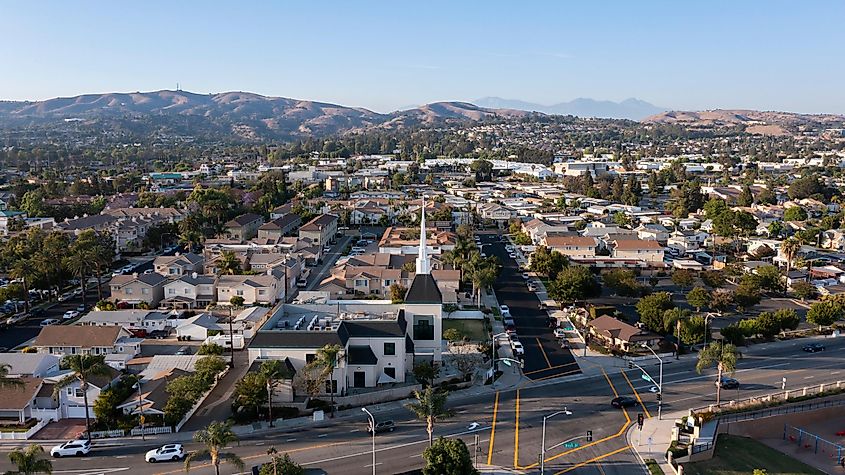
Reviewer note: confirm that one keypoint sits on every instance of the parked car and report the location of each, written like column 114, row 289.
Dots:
column 80, row 308
column 813, row 347
column 149, row 271
column 70, row 314
column 510, row 328
column 512, row 255
column 48, row 321
column 71, row 448
column 532, row 287
column 508, row 321
column 504, row 308
column 560, row 333
column 383, row 426
column 728, row 383
column 525, row 276
column 623, row 401
column 169, row 452
column 518, row 349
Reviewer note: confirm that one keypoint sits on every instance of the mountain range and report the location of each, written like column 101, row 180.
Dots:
column 633, row 109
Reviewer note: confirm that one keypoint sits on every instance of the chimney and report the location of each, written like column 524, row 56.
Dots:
column 135, row 275
column 193, row 275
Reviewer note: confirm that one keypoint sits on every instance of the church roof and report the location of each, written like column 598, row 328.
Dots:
column 424, row 290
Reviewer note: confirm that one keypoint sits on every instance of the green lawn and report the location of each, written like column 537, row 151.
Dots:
column 740, row 456
column 474, row 329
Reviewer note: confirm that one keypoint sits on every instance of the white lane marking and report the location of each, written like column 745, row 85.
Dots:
column 290, row 440
column 807, row 377
column 121, row 456
column 370, row 465
column 323, row 435
column 259, row 444
column 354, row 430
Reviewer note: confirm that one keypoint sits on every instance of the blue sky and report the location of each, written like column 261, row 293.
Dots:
column 772, row 55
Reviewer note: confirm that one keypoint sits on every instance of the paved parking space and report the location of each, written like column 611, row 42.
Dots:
column 544, row 357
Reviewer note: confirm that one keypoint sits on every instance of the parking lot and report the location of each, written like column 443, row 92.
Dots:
column 544, row 357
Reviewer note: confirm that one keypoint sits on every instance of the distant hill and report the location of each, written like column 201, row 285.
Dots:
column 633, row 109
column 244, row 115
column 753, row 122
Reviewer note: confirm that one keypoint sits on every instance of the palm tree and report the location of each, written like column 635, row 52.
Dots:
column 273, row 371
column 430, row 407
column 228, row 263
column 25, row 271
column 6, row 381
column 215, row 437
column 723, row 356
column 789, row 248
column 327, row 358
column 79, row 265
column 29, row 461
column 83, row 368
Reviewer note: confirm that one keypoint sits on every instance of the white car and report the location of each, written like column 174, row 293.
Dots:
column 517, row 348
column 71, row 448
column 48, row 321
column 512, row 255
column 560, row 333
column 70, row 315
column 504, row 308
column 525, row 276
column 169, row 452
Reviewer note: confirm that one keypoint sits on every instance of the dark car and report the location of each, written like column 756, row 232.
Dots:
column 383, row 426
column 813, row 347
column 623, row 401
column 728, row 383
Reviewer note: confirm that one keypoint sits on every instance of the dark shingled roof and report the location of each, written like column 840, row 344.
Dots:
column 373, row 329
column 362, row 355
column 295, row 339
column 424, row 290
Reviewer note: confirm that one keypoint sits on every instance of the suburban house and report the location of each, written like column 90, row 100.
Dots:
column 685, row 241
column 653, row 232
column 179, row 264
column 494, row 212
column 190, row 291
column 18, row 403
column 29, row 364
column 406, row 241
column 71, row 400
column 243, row 227
column 255, row 289
column 615, row 333
column 153, row 395
column 143, row 321
column 134, row 289
column 572, row 246
column 320, row 230
column 284, row 225
column 648, row 251
column 63, row 340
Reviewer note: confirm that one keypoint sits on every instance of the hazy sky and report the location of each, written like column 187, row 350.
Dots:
column 385, row 55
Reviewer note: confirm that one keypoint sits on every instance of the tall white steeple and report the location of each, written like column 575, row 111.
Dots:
column 423, row 264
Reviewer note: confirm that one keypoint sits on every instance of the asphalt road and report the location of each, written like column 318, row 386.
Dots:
column 514, row 439
column 544, row 357
column 28, row 329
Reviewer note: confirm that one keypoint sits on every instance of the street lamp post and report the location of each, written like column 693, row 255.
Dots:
column 141, row 408
column 543, row 445
column 493, row 360
column 660, row 382
column 373, row 431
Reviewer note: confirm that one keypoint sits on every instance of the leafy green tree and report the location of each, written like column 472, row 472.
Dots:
column 714, row 207
column 30, row 461
column 770, row 278
column 698, row 297
column 574, row 283
column 396, row 293
column 425, row 373
column 745, row 198
column 805, row 187
column 210, row 349
column 795, row 213
column 746, row 295
column 251, row 391
column 208, row 367
column 430, row 407
column 83, row 368
column 683, row 278
column 713, row 278
column 804, row 290
column 6, row 381
column 651, row 309
column 280, row 465
column 483, row 170
column 228, row 263
column 215, row 438
column 452, row 335
column 692, row 330
column 548, row 262
column 621, row 219
column 448, row 457
column 722, row 355
column 236, row 301
column 824, row 313
column 622, row 282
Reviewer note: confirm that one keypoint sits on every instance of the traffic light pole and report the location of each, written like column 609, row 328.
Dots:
column 659, row 383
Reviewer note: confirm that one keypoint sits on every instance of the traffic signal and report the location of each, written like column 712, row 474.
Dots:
column 589, row 436
column 640, row 420
column 630, row 364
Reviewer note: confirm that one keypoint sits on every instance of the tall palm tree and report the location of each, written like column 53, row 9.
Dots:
column 273, row 371
column 228, row 263
column 215, row 437
column 327, row 358
column 83, row 368
column 6, row 381
column 25, row 271
column 789, row 248
column 723, row 356
column 79, row 265
column 430, row 407
column 29, row 462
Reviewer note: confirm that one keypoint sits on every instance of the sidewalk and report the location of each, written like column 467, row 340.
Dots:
column 511, row 375
column 654, row 439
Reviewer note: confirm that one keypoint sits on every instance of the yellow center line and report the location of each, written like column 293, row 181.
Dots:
column 594, row 459
column 516, row 435
column 645, row 409
column 493, row 430
column 542, row 350
column 605, row 439
column 551, row 367
column 556, row 375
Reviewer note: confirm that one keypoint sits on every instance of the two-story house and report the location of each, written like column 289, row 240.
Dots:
column 320, row 230
column 572, row 246
column 136, row 288
column 284, row 225
column 190, row 291
column 255, row 289
column 642, row 250
column 243, row 227
column 178, row 264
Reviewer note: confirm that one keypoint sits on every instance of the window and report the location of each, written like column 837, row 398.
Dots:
column 78, row 392
column 331, row 386
column 171, row 291
column 390, row 372
column 145, row 291
column 360, row 282
column 423, row 329
column 262, row 292
column 390, row 349
column 187, row 290
column 69, row 391
column 309, row 357
column 128, row 291
column 239, row 292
